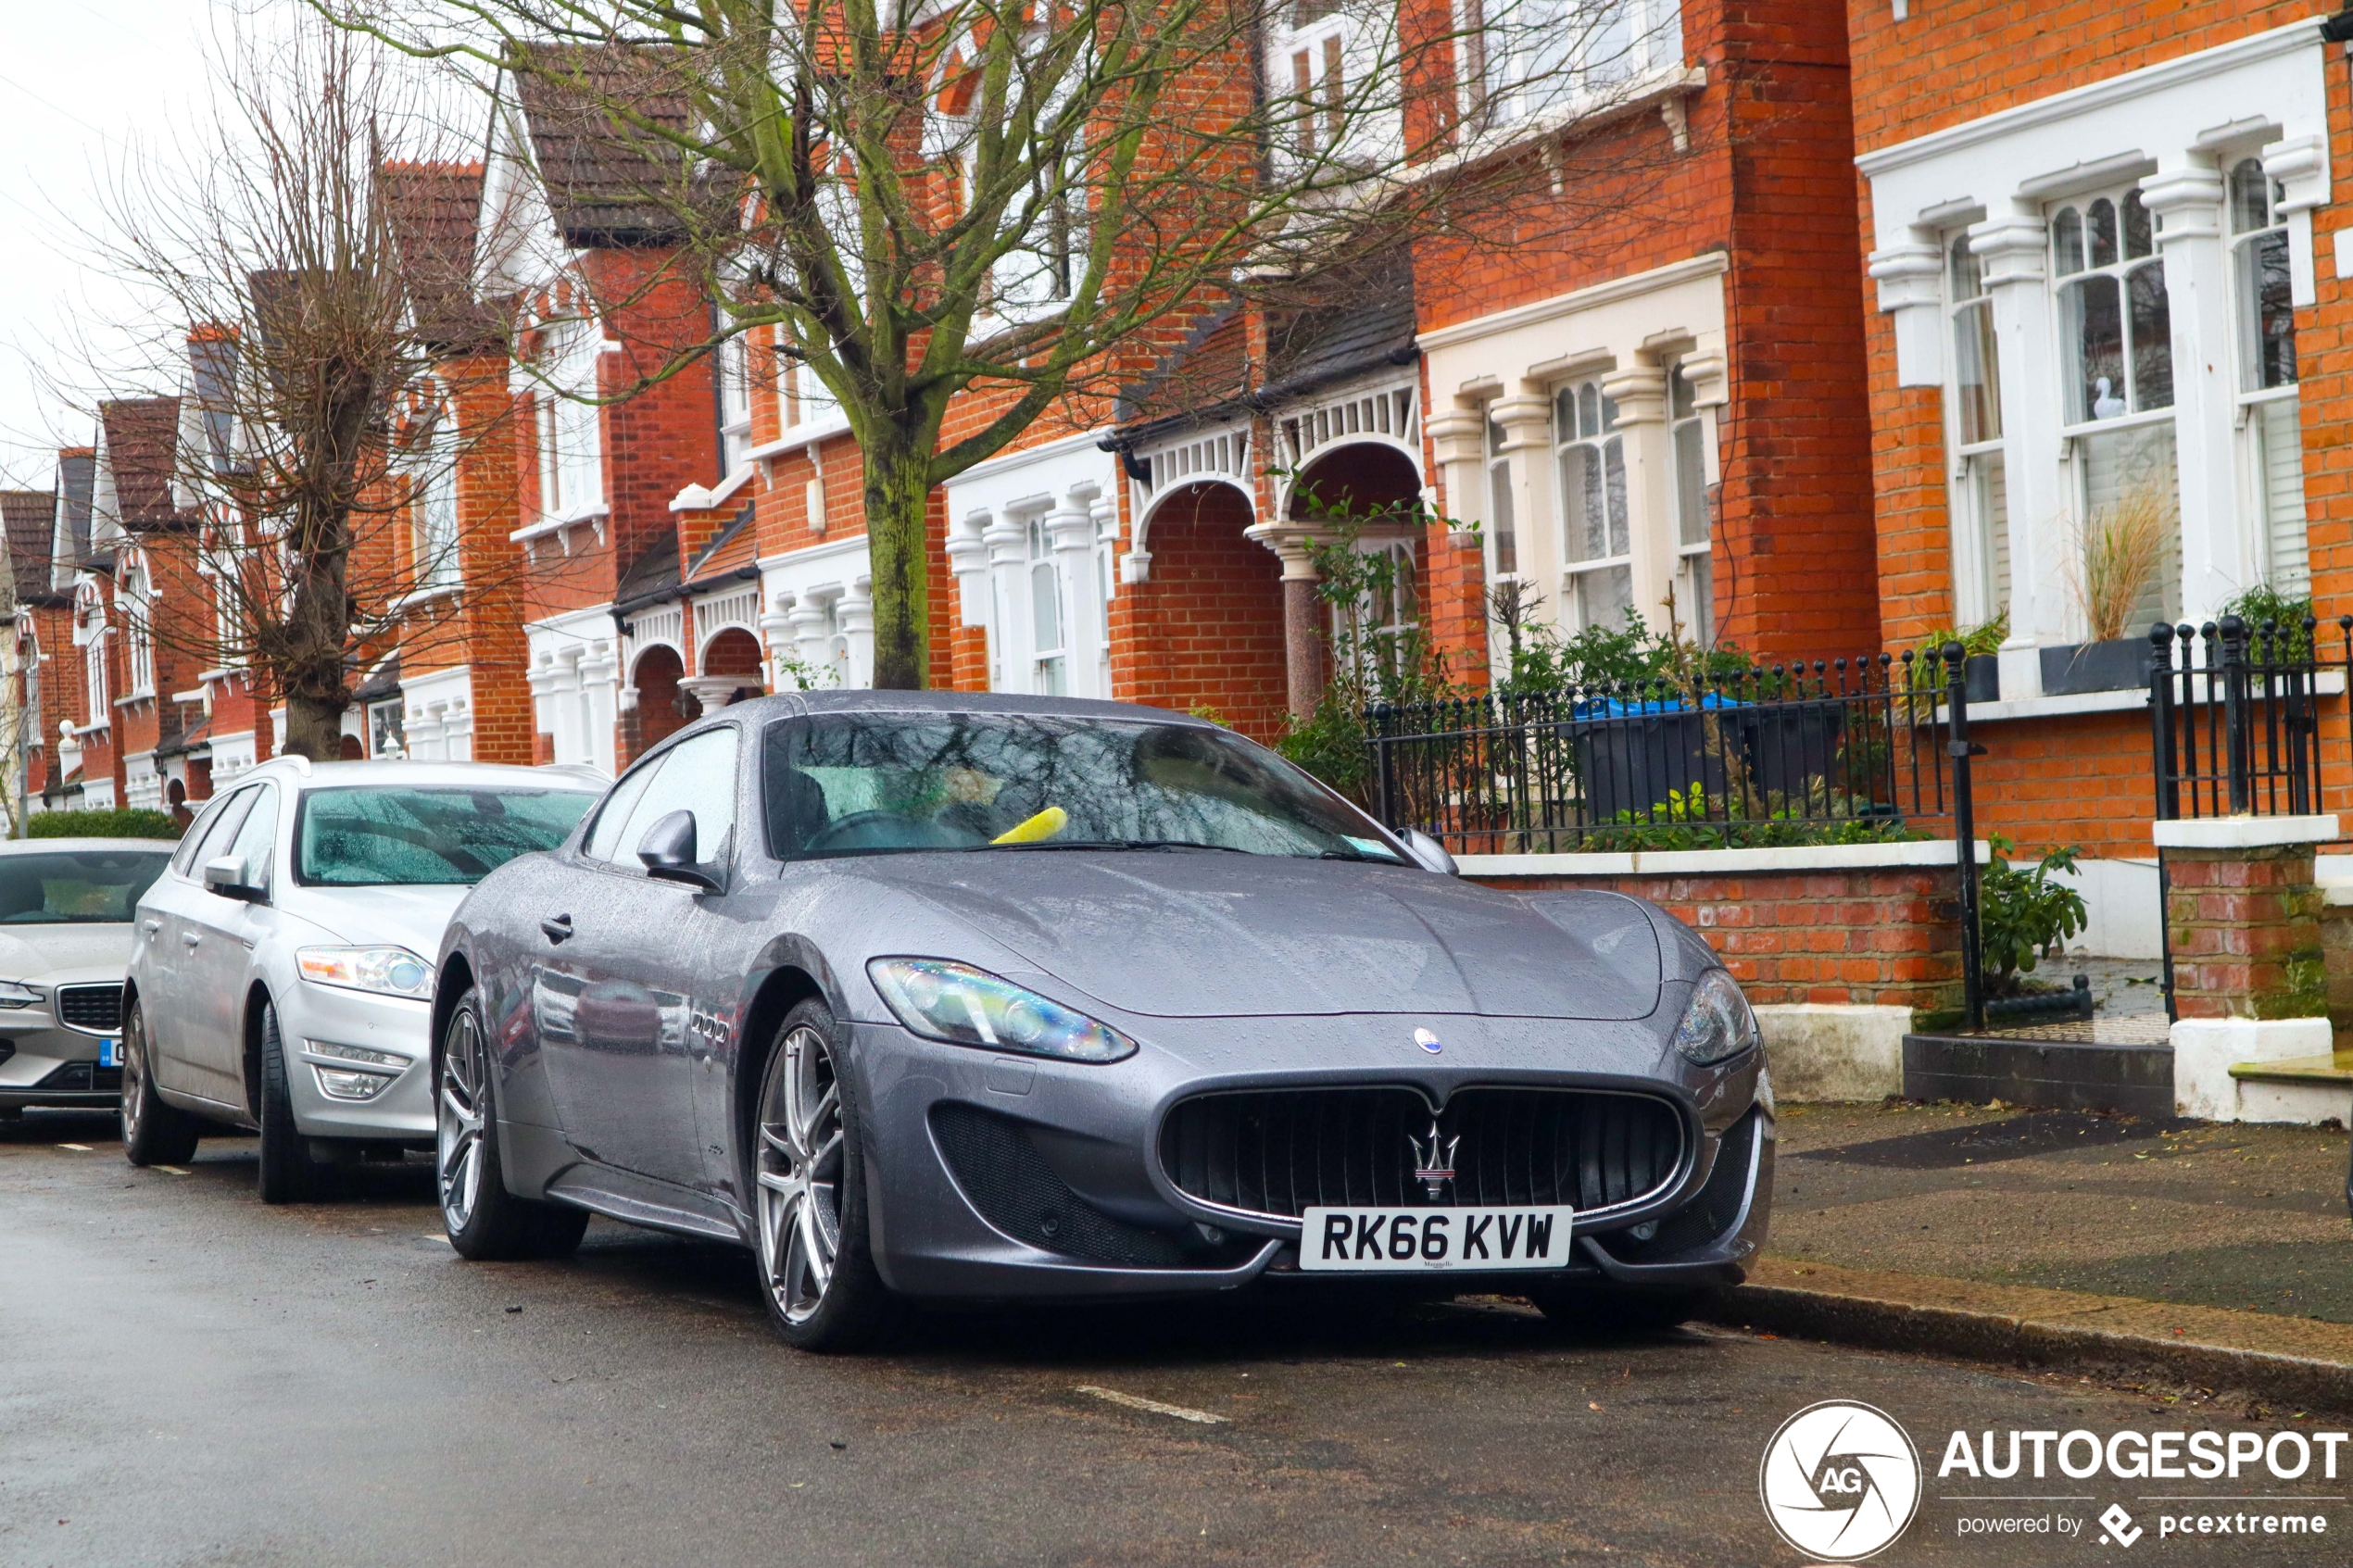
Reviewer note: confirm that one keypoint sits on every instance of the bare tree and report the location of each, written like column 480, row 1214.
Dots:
column 1023, row 204
column 313, row 425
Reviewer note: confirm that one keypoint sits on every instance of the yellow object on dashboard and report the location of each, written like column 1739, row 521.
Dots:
column 1037, row 829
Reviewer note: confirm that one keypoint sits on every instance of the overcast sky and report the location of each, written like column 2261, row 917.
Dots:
column 84, row 85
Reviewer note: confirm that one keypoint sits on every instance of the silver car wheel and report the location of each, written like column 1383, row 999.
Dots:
column 135, row 1073
column 800, row 1176
column 459, row 1121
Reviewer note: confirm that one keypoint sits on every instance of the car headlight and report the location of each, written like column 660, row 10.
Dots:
column 389, row 972
column 15, row 996
column 964, row 1006
column 1718, row 1025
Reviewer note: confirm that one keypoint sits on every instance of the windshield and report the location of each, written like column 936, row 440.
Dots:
column 880, row 782
column 77, row 886
column 375, row 837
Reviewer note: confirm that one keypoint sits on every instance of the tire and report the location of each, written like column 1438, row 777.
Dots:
column 1610, row 1312
column 287, row 1173
column 484, row 1221
column 817, row 1273
column 153, row 1133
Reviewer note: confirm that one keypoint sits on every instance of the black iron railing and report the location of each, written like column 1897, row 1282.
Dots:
column 2234, row 715
column 1848, row 750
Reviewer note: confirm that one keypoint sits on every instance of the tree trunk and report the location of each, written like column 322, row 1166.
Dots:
column 309, row 665
column 898, row 518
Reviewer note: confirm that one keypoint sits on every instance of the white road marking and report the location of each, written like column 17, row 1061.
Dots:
column 1137, row 1403
column 171, row 1170
column 78, row 1148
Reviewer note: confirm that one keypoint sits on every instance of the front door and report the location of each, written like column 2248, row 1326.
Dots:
column 613, row 1000
column 160, row 940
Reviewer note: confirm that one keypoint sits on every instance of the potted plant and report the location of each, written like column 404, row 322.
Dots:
column 2123, row 549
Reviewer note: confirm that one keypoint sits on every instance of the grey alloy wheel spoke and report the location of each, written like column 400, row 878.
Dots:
column 799, row 1156
column 460, row 1127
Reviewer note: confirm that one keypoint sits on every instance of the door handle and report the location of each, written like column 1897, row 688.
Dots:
column 558, row 928
column 151, row 926
column 189, row 938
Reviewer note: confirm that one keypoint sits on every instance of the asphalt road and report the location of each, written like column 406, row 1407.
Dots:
column 186, row 1377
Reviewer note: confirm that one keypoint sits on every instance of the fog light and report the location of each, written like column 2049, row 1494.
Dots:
column 355, row 1053
column 338, row 1084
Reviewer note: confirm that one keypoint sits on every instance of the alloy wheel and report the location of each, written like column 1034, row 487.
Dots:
column 459, row 1119
column 135, row 1073
column 800, row 1176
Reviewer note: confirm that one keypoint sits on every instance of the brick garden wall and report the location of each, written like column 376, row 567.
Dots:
column 1881, row 935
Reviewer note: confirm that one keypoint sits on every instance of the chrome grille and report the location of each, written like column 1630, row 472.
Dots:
column 94, row 1009
column 1278, row 1152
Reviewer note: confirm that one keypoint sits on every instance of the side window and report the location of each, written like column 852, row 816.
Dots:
column 697, row 775
column 183, row 859
column 258, row 836
column 604, row 840
column 219, row 830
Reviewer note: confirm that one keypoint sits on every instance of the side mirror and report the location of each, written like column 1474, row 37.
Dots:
column 1431, row 853
column 667, row 852
column 226, row 876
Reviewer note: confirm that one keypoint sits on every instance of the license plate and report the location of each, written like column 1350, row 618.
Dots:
column 110, row 1053
column 1401, row 1240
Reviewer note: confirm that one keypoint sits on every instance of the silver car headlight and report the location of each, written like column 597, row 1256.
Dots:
column 963, row 1006
column 15, row 996
column 387, row 971
column 1718, row 1025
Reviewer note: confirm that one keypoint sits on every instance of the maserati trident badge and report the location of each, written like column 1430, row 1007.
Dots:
column 1434, row 1166
column 1428, row 1041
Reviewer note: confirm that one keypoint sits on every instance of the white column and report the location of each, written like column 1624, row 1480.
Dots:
column 1458, row 437
column 2218, row 558
column 1008, row 542
column 1105, row 511
column 808, row 630
column 968, row 562
column 1641, row 393
column 1069, row 530
column 599, row 681
column 855, row 615
column 775, row 632
column 2011, row 251
column 1911, row 279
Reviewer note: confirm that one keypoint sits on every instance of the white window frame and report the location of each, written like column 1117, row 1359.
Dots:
column 1980, row 529
column 570, row 424
column 731, row 367
column 1690, row 438
column 1591, row 448
column 432, row 536
column 2263, row 411
column 1044, row 592
column 1528, row 59
column 137, row 593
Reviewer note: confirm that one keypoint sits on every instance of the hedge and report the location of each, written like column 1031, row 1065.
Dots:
column 126, row 821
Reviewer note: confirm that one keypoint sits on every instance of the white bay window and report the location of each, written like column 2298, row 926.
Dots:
column 2273, row 446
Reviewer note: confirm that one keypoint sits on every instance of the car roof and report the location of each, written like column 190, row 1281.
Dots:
column 44, row 846
column 793, row 703
column 304, row 776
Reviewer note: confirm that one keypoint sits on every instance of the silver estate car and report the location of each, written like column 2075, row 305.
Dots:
column 65, row 935
column 282, row 967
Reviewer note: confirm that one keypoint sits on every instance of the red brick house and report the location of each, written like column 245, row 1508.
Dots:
column 2109, row 273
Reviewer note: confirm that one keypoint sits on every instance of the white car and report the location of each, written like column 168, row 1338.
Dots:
column 65, row 936
column 282, row 967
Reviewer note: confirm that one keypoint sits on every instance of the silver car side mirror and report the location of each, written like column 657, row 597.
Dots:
column 226, row 876
column 1431, row 853
column 667, row 852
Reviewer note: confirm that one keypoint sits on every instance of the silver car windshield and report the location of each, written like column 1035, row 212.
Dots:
column 77, row 886
column 893, row 782
column 361, row 837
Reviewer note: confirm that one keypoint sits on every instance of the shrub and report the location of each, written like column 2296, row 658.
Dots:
column 2021, row 913
column 126, row 821
column 1333, row 744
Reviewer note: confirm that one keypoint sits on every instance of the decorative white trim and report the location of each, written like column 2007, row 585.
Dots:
column 1045, row 451
column 427, row 596
column 2093, row 96
column 2244, row 833
column 1708, row 264
column 798, row 437
column 1721, row 862
column 702, row 497
column 548, row 525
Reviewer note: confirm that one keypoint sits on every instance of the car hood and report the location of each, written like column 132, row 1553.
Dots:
column 1200, row 934
column 413, row 917
column 35, row 952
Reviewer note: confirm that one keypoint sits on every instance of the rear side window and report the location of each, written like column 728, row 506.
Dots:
column 210, row 838
column 183, row 859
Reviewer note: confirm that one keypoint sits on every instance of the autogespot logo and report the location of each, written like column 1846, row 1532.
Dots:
column 1839, row 1481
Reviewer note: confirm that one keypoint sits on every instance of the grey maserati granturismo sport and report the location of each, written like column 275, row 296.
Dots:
column 943, row 996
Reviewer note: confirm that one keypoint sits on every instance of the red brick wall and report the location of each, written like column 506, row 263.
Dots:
column 1208, row 629
column 1889, row 936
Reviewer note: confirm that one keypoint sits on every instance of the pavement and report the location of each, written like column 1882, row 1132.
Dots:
column 190, row 1378
column 2194, row 1254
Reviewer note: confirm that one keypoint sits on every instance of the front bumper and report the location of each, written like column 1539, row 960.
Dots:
column 313, row 1019
column 47, row 1064
column 1081, row 1142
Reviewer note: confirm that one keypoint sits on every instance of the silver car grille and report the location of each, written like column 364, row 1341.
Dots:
column 94, row 1009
